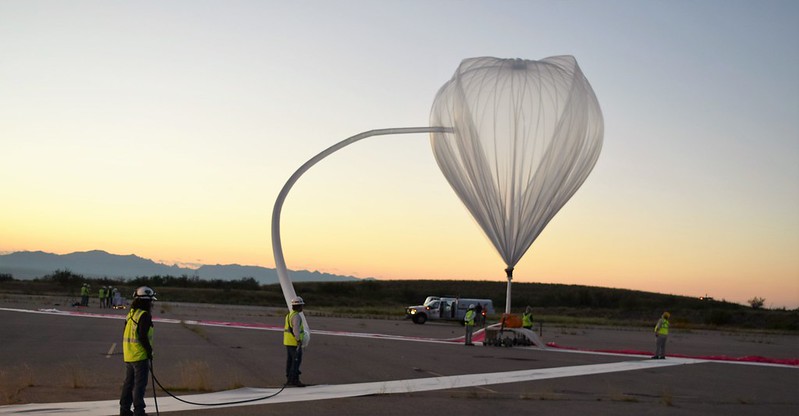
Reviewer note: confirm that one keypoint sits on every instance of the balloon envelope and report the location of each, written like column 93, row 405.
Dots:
column 526, row 136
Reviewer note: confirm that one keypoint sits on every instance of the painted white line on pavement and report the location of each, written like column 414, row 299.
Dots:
column 338, row 391
column 225, row 324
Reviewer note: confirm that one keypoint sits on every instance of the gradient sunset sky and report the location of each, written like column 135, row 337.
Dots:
column 166, row 129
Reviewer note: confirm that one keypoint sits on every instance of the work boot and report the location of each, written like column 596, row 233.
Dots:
column 123, row 412
column 295, row 383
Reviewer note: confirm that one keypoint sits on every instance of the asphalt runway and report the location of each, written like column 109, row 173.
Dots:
column 49, row 358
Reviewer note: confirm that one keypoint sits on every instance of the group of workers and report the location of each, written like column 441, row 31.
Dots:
column 137, row 349
column 137, row 345
column 109, row 297
column 661, row 329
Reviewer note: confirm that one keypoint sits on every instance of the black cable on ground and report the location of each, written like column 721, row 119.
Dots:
column 155, row 398
column 155, row 381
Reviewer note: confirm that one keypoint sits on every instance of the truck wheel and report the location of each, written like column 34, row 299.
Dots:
column 419, row 318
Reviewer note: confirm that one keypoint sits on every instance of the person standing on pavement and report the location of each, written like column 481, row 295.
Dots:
column 84, row 295
column 527, row 318
column 101, row 296
column 293, row 334
column 662, row 335
column 117, row 299
column 468, row 322
column 137, row 349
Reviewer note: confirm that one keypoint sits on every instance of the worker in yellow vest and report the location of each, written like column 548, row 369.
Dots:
column 527, row 318
column 468, row 322
column 101, row 296
column 293, row 334
column 137, row 349
column 662, row 334
column 84, row 295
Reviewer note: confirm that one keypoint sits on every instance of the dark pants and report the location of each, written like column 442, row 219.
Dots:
column 133, row 389
column 660, row 346
column 293, row 361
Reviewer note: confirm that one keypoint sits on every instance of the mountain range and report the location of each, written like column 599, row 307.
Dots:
column 26, row 265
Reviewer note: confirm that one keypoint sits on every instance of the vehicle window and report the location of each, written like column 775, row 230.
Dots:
column 429, row 300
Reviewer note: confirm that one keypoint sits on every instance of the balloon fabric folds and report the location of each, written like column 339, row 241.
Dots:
column 526, row 135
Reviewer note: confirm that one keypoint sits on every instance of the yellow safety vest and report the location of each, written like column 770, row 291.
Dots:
column 527, row 320
column 469, row 318
column 662, row 328
column 288, row 334
column 131, row 347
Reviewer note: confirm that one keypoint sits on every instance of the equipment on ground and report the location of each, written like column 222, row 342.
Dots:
column 501, row 335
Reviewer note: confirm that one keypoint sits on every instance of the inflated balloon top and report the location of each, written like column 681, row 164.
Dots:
column 526, row 134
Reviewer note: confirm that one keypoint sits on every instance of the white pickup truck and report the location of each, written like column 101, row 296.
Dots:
column 447, row 308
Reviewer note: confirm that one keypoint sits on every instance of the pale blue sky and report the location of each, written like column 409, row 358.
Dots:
column 167, row 128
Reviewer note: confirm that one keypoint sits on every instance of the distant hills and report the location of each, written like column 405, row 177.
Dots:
column 26, row 265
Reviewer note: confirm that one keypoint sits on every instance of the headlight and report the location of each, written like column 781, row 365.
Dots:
column 412, row 311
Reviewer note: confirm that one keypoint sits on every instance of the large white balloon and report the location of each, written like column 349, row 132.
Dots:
column 526, row 136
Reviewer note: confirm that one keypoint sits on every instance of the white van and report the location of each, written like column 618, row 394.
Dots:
column 448, row 308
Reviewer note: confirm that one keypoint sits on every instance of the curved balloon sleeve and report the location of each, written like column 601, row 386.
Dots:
column 306, row 336
column 277, row 246
column 526, row 136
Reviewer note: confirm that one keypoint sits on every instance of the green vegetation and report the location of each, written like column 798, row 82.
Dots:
column 562, row 304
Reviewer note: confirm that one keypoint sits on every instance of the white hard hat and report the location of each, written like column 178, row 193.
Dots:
column 144, row 292
column 297, row 301
column 471, row 306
